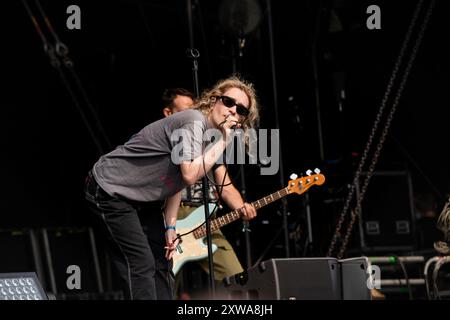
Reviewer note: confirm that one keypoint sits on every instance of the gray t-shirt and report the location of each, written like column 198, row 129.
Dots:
column 142, row 169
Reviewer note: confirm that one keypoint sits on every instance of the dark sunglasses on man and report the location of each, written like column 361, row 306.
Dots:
column 230, row 103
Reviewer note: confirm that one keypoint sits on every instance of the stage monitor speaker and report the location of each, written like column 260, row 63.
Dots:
column 354, row 276
column 287, row 279
column 21, row 286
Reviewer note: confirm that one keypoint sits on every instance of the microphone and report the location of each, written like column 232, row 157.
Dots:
column 226, row 118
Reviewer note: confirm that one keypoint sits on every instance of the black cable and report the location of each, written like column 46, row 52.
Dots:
column 226, row 168
column 217, row 186
column 219, row 192
column 405, row 273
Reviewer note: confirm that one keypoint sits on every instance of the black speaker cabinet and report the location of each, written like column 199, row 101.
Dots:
column 354, row 277
column 287, row 279
column 301, row 279
column 387, row 216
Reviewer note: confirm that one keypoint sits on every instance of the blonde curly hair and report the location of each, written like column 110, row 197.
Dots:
column 208, row 99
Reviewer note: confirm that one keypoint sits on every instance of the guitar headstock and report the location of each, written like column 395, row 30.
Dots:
column 300, row 185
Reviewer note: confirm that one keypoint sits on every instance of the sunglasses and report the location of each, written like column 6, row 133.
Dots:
column 230, row 103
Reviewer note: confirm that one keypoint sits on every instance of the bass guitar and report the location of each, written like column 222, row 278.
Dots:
column 192, row 245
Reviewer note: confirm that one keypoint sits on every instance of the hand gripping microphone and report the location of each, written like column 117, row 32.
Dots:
column 226, row 118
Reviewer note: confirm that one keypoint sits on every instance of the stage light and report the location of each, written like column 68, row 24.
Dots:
column 21, row 286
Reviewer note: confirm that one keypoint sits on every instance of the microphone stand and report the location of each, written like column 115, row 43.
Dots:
column 193, row 54
column 309, row 241
column 238, row 52
column 245, row 223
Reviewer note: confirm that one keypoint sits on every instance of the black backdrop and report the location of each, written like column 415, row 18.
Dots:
column 127, row 52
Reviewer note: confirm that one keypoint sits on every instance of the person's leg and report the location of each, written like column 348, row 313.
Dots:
column 153, row 219
column 130, row 251
column 225, row 261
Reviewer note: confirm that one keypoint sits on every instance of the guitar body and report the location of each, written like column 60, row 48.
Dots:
column 192, row 249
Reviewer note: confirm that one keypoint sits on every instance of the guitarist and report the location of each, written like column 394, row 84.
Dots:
column 146, row 169
column 226, row 263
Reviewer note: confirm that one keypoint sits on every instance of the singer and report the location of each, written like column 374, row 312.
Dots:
column 123, row 182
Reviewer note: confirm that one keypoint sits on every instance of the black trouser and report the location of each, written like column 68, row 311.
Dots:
column 143, row 269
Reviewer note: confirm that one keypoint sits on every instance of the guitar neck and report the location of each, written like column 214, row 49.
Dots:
column 235, row 215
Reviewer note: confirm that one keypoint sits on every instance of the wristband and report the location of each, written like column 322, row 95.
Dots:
column 170, row 228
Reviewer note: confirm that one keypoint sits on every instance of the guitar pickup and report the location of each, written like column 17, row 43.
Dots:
column 178, row 247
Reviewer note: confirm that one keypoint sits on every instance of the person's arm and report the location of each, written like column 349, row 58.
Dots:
column 170, row 218
column 193, row 170
column 231, row 195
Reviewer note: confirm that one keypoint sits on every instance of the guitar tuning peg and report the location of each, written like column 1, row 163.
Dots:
column 293, row 176
column 317, row 171
column 308, row 172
